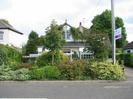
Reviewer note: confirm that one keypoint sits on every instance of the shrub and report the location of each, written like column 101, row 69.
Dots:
column 128, row 60
column 21, row 74
column 119, row 50
column 106, row 71
column 24, row 65
column 51, row 72
column 31, row 60
column 72, row 70
column 9, row 56
column 80, row 69
column 46, row 59
column 87, row 71
column 47, row 72
column 37, row 73
column 6, row 73
column 119, row 58
column 3, row 57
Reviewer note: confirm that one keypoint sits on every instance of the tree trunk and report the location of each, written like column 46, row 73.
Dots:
column 52, row 58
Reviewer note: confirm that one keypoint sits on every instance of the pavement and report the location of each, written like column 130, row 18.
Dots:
column 69, row 89
column 129, row 73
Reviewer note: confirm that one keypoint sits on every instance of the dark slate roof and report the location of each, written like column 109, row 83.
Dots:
column 129, row 45
column 74, row 44
column 6, row 25
column 62, row 25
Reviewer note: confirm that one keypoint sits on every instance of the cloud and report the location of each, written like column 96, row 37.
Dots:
column 129, row 20
column 27, row 15
column 5, row 4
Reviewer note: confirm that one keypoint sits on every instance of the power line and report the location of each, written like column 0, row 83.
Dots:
column 93, row 11
column 97, row 5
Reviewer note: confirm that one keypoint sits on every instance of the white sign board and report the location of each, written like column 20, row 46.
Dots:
column 118, row 34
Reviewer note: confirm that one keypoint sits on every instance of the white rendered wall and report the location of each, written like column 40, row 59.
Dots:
column 15, row 39
column 5, row 36
column 131, row 50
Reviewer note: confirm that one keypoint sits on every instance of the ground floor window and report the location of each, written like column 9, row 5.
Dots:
column 128, row 51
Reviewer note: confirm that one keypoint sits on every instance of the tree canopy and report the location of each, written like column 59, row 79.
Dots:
column 102, row 23
column 54, row 40
column 79, row 35
column 99, row 44
column 32, row 43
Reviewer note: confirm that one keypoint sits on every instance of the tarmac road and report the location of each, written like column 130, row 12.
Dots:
column 69, row 89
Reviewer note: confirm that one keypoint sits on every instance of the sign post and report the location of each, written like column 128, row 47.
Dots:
column 113, row 33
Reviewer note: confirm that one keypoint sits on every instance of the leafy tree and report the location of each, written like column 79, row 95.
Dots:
column 41, row 40
column 102, row 24
column 54, row 40
column 99, row 43
column 79, row 35
column 33, row 35
column 31, row 46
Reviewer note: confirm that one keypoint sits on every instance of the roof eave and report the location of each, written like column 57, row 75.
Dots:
column 11, row 30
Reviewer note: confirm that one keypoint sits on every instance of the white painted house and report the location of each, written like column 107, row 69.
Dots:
column 9, row 35
column 129, row 48
column 74, row 46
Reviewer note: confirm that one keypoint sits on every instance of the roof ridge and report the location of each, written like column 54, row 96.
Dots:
column 6, row 24
column 129, row 45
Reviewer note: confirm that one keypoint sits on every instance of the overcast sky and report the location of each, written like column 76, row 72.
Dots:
column 27, row 15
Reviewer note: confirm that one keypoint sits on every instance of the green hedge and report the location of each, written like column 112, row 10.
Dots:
column 72, row 70
column 47, row 72
column 9, row 56
column 120, row 58
column 106, row 71
column 82, row 70
column 128, row 60
column 37, row 74
column 46, row 59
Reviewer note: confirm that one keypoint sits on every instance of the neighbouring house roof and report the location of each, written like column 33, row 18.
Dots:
column 62, row 25
column 6, row 25
column 129, row 46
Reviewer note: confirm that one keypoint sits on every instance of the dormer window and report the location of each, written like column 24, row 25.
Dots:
column 67, row 33
column 1, row 35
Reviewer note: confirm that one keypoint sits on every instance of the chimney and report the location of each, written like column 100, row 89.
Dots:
column 66, row 21
column 80, row 23
column 80, row 27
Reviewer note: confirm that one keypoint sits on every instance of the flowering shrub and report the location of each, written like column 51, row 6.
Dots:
column 106, row 71
column 6, row 73
column 72, row 70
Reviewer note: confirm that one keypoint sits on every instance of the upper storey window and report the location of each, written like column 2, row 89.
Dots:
column 67, row 33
